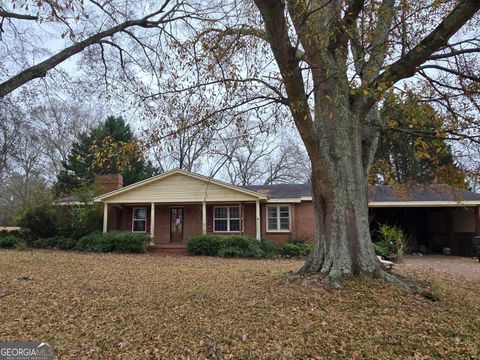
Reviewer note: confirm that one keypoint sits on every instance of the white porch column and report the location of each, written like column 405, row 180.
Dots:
column 105, row 217
column 257, row 222
column 152, row 222
column 204, row 218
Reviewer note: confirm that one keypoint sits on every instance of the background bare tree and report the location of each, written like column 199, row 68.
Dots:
column 24, row 177
column 34, row 141
column 11, row 119
column 264, row 159
column 178, row 140
column 59, row 123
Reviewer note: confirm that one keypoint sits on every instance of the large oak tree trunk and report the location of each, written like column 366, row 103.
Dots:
column 343, row 245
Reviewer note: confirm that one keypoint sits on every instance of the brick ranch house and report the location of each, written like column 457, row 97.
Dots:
column 175, row 205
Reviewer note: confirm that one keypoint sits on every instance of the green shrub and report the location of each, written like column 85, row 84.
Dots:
column 48, row 243
column 66, row 243
column 381, row 249
column 56, row 242
column 244, row 249
column 5, row 233
column 87, row 220
column 268, row 247
column 296, row 240
column 254, row 250
column 96, row 242
column 230, row 246
column 79, row 220
column 40, row 219
column 231, row 251
column 117, row 241
column 127, row 242
column 9, row 241
column 21, row 245
column 239, row 241
column 206, row 245
column 295, row 249
column 391, row 241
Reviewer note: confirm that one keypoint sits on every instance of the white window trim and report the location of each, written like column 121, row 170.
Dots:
column 228, row 219
column 133, row 219
column 278, row 230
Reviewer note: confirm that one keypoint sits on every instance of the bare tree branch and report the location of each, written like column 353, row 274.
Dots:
column 40, row 70
column 11, row 15
column 406, row 66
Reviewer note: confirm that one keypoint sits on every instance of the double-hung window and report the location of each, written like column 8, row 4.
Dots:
column 139, row 220
column 278, row 218
column 226, row 219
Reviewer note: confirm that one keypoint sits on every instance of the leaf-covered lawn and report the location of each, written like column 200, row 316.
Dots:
column 143, row 306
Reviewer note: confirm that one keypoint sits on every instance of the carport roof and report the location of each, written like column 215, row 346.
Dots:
column 383, row 195
column 432, row 192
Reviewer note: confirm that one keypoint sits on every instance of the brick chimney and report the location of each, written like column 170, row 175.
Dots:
column 106, row 183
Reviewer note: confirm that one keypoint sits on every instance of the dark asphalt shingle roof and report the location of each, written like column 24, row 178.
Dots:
column 431, row 192
column 377, row 193
column 283, row 191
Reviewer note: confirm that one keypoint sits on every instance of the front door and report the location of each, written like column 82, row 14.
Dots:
column 176, row 225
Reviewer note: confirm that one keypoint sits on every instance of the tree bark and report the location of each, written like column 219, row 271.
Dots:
column 343, row 246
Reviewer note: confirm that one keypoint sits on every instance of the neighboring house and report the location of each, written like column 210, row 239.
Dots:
column 175, row 205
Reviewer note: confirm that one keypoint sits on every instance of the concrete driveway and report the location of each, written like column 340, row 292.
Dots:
column 455, row 265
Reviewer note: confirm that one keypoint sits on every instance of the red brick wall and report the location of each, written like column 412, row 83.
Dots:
column 302, row 221
column 192, row 221
column 162, row 224
column 302, row 224
column 305, row 221
column 106, row 183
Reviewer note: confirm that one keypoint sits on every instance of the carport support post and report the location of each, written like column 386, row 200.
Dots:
column 257, row 222
column 477, row 220
column 105, row 217
column 152, row 222
column 450, row 230
column 204, row 218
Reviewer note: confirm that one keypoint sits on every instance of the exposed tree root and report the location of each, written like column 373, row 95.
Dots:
column 336, row 281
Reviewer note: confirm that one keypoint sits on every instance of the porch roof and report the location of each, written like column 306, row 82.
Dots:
column 180, row 186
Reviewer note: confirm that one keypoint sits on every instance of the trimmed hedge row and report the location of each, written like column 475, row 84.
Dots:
column 127, row 242
column 56, row 242
column 243, row 246
column 9, row 241
column 229, row 246
column 117, row 241
column 295, row 249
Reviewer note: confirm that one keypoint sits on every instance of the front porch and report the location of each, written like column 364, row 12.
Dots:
column 171, row 224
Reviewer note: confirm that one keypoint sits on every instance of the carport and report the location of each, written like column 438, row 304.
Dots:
column 433, row 216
